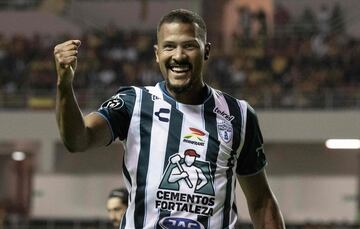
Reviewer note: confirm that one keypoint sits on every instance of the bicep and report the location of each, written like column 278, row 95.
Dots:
column 98, row 130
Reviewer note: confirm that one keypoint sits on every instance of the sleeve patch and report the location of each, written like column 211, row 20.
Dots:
column 114, row 103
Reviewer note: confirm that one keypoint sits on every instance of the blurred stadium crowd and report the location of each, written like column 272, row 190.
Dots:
column 302, row 65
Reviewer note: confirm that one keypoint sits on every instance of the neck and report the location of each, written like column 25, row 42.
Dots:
column 193, row 96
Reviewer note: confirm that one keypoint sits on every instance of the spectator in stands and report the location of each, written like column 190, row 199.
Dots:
column 116, row 205
column 323, row 19
column 301, row 44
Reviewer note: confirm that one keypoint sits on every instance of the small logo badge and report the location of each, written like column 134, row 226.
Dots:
column 225, row 131
column 154, row 97
column 114, row 103
column 223, row 114
column 162, row 113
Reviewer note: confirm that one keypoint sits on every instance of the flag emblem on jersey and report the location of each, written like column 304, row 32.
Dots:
column 195, row 137
column 225, row 131
column 186, row 185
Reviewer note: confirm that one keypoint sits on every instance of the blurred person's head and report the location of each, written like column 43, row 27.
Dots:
column 116, row 205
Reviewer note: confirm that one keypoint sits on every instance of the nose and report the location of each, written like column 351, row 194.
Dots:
column 112, row 216
column 179, row 54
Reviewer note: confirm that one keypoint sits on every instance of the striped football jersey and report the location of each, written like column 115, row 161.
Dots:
column 181, row 161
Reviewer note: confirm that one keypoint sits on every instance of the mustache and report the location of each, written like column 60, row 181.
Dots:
column 178, row 63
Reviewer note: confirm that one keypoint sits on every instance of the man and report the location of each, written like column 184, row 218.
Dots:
column 116, row 205
column 156, row 122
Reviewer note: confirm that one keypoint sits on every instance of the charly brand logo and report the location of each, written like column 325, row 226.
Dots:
column 187, row 185
column 195, row 137
column 163, row 114
column 115, row 102
column 223, row 114
column 225, row 131
column 179, row 223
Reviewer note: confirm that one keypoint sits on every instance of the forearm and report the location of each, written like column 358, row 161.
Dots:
column 70, row 120
column 267, row 215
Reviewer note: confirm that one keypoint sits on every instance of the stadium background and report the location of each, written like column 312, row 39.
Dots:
column 295, row 61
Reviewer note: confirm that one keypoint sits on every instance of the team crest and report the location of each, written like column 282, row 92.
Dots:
column 225, row 131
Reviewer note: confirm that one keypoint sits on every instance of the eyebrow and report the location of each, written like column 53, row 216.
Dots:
column 182, row 42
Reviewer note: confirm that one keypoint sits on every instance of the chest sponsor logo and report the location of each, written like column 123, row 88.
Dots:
column 187, row 185
column 163, row 114
column 223, row 114
column 225, row 131
column 195, row 137
column 179, row 223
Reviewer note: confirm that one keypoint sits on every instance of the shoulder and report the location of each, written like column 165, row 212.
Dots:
column 231, row 101
column 133, row 91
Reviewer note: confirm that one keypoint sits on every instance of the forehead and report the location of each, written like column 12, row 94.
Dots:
column 113, row 202
column 178, row 30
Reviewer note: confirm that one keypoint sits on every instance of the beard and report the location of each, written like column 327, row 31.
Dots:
column 179, row 89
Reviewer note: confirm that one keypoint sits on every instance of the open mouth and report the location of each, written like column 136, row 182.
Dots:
column 183, row 68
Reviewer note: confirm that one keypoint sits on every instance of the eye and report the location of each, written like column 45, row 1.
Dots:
column 190, row 46
column 168, row 47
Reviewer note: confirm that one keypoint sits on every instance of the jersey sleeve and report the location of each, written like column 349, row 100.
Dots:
column 118, row 111
column 252, row 158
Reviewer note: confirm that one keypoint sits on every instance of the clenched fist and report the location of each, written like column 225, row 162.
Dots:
column 66, row 59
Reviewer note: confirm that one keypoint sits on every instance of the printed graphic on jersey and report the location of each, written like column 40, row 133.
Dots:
column 223, row 114
column 179, row 223
column 225, row 131
column 195, row 137
column 163, row 114
column 154, row 97
column 115, row 102
column 186, row 185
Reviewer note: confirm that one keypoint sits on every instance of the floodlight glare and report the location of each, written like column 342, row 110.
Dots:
column 343, row 143
column 18, row 156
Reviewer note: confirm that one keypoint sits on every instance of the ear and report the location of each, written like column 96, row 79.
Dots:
column 156, row 49
column 207, row 51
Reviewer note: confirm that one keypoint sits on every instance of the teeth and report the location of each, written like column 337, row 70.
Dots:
column 180, row 69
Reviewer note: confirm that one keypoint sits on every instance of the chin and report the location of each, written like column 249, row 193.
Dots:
column 179, row 88
column 179, row 85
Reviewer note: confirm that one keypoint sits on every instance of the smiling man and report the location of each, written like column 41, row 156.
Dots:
column 180, row 53
column 159, row 124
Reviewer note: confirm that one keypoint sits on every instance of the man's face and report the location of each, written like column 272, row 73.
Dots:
column 180, row 53
column 116, row 210
column 189, row 160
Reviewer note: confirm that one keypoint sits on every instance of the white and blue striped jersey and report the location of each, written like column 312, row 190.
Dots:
column 181, row 161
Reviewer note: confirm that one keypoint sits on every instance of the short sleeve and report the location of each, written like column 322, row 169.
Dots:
column 118, row 111
column 252, row 158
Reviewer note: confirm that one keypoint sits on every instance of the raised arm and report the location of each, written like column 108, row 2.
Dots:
column 78, row 133
column 263, row 207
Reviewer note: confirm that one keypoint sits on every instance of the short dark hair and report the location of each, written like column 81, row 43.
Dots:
column 120, row 193
column 184, row 16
